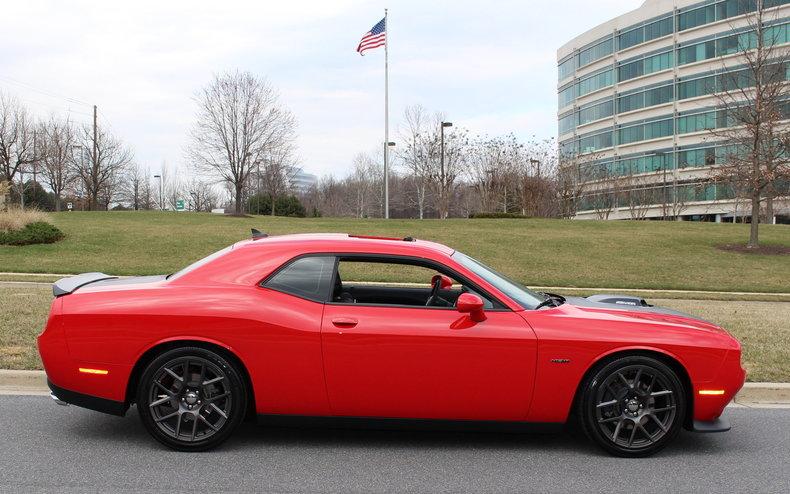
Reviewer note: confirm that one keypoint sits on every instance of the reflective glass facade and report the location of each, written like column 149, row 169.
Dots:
column 630, row 127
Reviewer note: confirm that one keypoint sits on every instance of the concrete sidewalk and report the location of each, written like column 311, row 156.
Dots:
column 753, row 395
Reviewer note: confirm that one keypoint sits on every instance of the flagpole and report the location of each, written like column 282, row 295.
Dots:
column 386, row 119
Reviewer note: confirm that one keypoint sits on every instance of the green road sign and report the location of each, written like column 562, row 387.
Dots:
column 180, row 205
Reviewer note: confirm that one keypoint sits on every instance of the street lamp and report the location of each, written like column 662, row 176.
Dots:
column 161, row 206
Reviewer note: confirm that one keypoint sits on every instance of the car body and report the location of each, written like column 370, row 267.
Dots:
column 485, row 354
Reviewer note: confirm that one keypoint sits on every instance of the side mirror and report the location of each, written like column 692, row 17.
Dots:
column 469, row 303
column 446, row 283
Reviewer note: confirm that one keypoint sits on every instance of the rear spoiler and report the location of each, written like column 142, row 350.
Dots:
column 64, row 286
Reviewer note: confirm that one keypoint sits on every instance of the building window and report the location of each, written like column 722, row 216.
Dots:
column 645, row 131
column 567, row 123
column 697, row 122
column 728, row 45
column 648, row 32
column 566, row 96
column 595, row 82
column 596, row 112
column 596, row 52
column 590, row 143
column 565, row 69
column 647, row 65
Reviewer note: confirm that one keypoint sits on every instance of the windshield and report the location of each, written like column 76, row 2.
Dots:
column 199, row 263
column 522, row 295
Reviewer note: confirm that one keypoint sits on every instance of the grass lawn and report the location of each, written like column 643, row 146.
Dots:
column 621, row 254
column 761, row 326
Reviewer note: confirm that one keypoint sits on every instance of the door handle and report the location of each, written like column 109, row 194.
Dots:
column 344, row 322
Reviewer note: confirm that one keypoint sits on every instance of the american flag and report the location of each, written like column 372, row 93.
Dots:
column 377, row 36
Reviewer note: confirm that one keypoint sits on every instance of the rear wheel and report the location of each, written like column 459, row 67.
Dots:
column 633, row 406
column 191, row 399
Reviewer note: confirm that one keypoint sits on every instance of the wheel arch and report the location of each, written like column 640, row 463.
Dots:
column 672, row 361
column 162, row 346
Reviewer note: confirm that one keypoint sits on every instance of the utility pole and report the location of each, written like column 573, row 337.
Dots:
column 95, row 164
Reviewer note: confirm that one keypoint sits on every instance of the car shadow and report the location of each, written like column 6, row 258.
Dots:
column 251, row 436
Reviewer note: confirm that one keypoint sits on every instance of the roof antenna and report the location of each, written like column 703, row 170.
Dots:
column 256, row 234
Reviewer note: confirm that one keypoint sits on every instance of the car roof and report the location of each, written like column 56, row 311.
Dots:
column 340, row 242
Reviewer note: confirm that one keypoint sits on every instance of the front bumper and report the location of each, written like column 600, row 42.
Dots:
column 718, row 425
column 65, row 396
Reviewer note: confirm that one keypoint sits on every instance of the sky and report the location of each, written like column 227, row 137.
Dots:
column 489, row 66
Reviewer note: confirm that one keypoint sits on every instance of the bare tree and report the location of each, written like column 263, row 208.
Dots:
column 133, row 187
column 16, row 140
column 422, row 158
column 492, row 166
column 418, row 151
column 101, row 177
column 202, row 196
column 173, row 191
column 751, row 117
column 363, row 185
column 57, row 144
column 637, row 194
column 447, row 167
column 276, row 173
column 240, row 119
column 573, row 173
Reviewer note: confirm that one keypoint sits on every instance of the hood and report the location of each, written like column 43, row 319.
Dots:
column 638, row 308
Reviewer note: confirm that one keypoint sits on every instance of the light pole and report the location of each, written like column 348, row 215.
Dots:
column 161, row 206
column 441, row 164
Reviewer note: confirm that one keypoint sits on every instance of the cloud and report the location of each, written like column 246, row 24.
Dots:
column 490, row 67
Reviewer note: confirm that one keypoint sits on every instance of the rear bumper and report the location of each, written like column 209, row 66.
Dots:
column 103, row 405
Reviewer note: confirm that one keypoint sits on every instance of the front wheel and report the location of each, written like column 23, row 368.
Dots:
column 633, row 406
column 191, row 399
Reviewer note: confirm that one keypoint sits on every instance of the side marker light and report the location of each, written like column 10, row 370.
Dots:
column 94, row 371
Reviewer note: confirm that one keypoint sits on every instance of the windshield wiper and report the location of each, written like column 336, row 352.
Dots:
column 552, row 300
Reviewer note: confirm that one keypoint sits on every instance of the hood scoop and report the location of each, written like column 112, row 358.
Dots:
column 627, row 300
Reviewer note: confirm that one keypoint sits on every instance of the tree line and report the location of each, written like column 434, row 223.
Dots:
column 52, row 162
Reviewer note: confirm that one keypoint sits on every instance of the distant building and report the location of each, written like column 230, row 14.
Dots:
column 636, row 96
column 302, row 182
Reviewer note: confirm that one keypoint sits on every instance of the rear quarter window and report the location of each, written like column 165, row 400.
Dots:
column 306, row 277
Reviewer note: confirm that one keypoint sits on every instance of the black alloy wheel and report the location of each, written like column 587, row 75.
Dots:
column 633, row 406
column 191, row 399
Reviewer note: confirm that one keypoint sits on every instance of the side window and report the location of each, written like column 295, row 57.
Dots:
column 367, row 281
column 307, row 277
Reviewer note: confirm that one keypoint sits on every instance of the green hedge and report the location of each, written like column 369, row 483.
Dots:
column 497, row 215
column 34, row 233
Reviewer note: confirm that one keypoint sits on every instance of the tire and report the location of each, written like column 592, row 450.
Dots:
column 191, row 399
column 632, row 406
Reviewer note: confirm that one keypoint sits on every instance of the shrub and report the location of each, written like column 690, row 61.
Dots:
column 283, row 206
column 497, row 215
column 16, row 219
column 38, row 232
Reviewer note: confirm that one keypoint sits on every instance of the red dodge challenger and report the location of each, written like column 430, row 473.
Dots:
column 314, row 326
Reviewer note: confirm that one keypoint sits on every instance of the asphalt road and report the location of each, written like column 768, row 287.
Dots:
column 44, row 447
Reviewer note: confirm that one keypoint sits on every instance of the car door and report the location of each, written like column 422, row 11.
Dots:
column 405, row 361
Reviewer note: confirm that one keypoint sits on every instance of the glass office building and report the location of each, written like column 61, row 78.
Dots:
column 636, row 99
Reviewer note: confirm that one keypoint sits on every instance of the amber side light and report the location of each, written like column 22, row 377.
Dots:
column 93, row 371
column 710, row 392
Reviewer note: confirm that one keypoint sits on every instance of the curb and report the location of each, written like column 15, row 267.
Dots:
column 764, row 394
column 34, row 382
